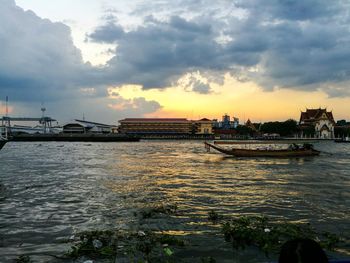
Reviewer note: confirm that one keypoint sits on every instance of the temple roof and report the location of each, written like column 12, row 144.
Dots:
column 311, row 115
column 204, row 120
column 251, row 125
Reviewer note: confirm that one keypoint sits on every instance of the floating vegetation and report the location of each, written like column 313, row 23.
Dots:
column 94, row 244
column 23, row 259
column 135, row 246
column 166, row 209
column 150, row 246
column 154, row 246
column 214, row 217
column 208, row 260
column 170, row 240
column 268, row 236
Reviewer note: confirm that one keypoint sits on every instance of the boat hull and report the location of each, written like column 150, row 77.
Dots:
column 2, row 144
column 302, row 152
column 342, row 141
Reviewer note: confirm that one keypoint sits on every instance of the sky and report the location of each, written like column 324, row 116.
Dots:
column 108, row 60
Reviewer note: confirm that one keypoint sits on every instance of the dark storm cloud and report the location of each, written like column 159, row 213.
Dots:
column 134, row 107
column 38, row 60
column 291, row 9
column 201, row 88
column 303, row 44
column 108, row 33
column 194, row 82
column 159, row 52
column 276, row 43
column 292, row 44
column 299, row 54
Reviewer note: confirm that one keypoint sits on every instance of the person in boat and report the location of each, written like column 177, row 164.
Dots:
column 308, row 146
column 302, row 250
column 294, row 147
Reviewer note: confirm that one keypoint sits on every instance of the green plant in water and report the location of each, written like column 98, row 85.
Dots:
column 208, row 260
column 214, row 216
column 269, row 237
column 23, row 259
column 168, row 251
column 330, row 240
column 145, row 246
column 166, row 209
column 170, row 240
column 151, row 245
column 94, row 244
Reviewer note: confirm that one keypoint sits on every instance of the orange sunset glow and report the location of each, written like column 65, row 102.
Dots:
column 242, row 100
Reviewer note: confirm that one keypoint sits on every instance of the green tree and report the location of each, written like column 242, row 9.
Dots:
column 290, row 127
column 341, row 131
column 309, row 131
column 244, row 130
column 286, row 128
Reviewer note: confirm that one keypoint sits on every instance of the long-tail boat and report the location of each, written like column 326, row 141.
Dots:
column 3, row 137
column 2, row 143
column 295, row 151
column 344, row 140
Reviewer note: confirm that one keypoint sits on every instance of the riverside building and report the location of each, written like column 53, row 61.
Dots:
column 165, row 126
column 226, row 123
column 317, row 123
column 83, row 126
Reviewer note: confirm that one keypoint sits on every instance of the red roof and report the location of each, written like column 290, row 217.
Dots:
column 204, row 119
column 154, row 120
column 311, row 115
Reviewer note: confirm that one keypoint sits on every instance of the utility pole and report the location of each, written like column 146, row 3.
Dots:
column 7, row 125
column 7, row 110
column 43, row 109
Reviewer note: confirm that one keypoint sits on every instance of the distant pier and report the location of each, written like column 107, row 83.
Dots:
column 74, row 138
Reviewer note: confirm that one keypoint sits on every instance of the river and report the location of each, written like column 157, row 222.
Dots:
column 51, row 190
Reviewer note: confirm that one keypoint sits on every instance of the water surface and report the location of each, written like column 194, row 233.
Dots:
column 52, row 190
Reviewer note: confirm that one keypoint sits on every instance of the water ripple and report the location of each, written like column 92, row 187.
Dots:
column 50, row 190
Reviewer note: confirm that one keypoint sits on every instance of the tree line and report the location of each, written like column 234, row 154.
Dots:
column 285, row 128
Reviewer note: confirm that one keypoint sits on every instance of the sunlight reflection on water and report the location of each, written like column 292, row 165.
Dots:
column 54, row 189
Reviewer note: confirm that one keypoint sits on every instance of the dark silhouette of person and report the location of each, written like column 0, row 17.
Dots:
column 302, row 250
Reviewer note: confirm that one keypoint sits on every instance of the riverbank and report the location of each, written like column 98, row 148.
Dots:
column 113, row 137
column 62, row 137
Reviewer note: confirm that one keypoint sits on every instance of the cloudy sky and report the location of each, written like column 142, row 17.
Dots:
column 263, row 60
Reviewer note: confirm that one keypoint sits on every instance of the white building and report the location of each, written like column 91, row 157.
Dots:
column 318, row 123
column 82, row 126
